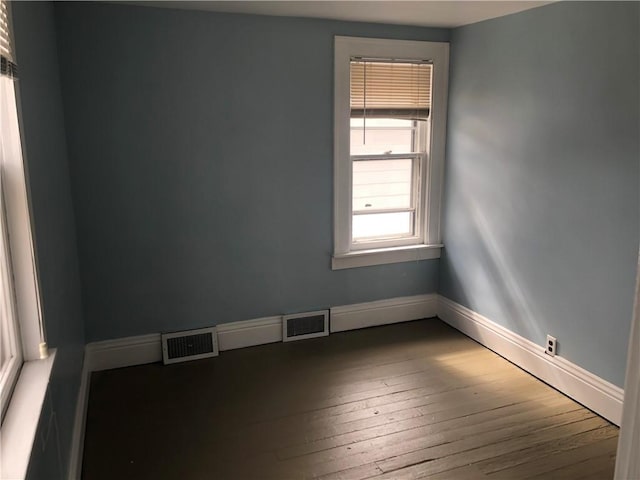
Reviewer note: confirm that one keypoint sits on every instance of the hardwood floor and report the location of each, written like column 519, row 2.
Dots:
column 405, row 401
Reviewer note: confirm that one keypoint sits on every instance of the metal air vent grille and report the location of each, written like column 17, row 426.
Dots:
column 189, row 345
column 305, row 325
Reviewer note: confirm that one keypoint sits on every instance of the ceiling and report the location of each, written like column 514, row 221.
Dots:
column 448, row 14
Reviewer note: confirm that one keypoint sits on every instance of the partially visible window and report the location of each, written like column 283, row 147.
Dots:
column 21, row 327
column 390, row 115
column 10, row 348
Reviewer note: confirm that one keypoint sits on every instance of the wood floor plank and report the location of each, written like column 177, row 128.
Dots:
column 321, row 405
column 303, row 442
column 540, row 464
column 425, row 398
column 599, row 467
column 412, row 400
column 541, row 458
column 467, row 472
column 468, row 411
column 425, row 466
column 394, row 452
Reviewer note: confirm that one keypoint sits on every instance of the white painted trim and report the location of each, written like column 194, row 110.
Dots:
column 435, row 175
column 20, row 424
column 106, row 355
column 586, row 388
column 383, row 312
column 79, row 423
column 249, row 333
column 130, row 351
column 139, row 350
column 382, row 256
column 628, row 460
column 23, row 259
column 123, row 352
column 431, row 176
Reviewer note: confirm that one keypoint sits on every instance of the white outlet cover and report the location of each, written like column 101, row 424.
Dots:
column 552, row 346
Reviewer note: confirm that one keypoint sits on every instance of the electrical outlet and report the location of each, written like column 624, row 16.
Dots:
column 551, row 346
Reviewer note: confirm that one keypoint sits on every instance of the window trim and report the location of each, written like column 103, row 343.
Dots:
column 344, row 255
column 25, row 397
column 20, row 241
column 20, row 425
column 8, row 372
column 419, row 161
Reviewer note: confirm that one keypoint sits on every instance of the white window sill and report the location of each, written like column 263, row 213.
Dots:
column 18, row 431
column 381, row 256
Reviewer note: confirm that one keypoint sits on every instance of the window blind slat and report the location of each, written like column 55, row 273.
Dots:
column 390, row 86
column 5, row 39
column 7, row 65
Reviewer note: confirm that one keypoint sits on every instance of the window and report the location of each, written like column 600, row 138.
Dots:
column 25, row 362
column 21, row 328
column 10, row 348
column 390, row 117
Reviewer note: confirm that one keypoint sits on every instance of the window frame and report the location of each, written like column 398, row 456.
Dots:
column 419, row 160
column 9, row 325
column 19, row 283
column 415, row 207
column 25, row 400
column 430, row 182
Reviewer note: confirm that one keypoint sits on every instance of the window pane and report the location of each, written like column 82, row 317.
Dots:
column 374, row 141
column 382, row 184
column 381, row 135
column 383, row 225
column 381, row 122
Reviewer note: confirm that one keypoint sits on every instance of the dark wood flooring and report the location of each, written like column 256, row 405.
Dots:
column 405, row 401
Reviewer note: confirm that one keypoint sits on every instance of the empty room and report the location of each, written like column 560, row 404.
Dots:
column 319, row 239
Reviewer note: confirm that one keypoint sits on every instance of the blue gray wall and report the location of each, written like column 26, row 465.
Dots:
column 541, row 194
column 54, row 229
column 201, row 152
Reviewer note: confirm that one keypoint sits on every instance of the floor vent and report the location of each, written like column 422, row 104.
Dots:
column 305, row 325
column 189, row 345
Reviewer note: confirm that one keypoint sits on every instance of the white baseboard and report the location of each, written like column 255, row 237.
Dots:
column 79, row 423
column 123, row 352
column 140, row 350
column 131, row 351
column 105, row 355
column 627, row 459
column 383, row 312
column 586, row 388
column 249, row 333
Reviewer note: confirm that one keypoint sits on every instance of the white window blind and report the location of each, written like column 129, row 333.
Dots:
column 5, row 43
column 7, row 65
column 390, row 88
